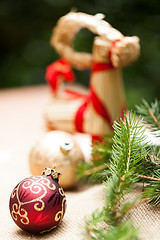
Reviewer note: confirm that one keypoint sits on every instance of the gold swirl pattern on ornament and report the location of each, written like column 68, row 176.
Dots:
column 35, row 187
column 48, row 230
column 59, row 214
column 13, row 193
column 17, row 210
column 47, row 183
column 61, row 191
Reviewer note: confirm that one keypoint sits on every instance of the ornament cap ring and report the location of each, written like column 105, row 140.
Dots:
column 51, row 172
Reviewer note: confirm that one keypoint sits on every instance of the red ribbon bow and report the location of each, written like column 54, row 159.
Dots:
column 58, row 70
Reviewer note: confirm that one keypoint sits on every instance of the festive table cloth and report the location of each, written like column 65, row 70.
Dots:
column 21, row 124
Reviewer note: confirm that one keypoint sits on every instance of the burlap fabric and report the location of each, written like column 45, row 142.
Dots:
column 21, row 124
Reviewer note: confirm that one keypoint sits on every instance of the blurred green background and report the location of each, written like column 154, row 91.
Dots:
column 26, row 28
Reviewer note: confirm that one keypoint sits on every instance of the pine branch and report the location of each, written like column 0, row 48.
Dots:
column 151, row 169
column 150, row 113
column 128, row 150
column 151, row 158
column 132, row 161
column 125, row 231
column 148, row 178
column 153, row 117
column 127, row 155
column 148, row 168
column 97, row 170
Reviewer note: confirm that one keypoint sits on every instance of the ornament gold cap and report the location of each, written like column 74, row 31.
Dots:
column 48, row 171
column 66, row 146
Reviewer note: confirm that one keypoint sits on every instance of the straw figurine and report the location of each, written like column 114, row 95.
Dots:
column 92, row 112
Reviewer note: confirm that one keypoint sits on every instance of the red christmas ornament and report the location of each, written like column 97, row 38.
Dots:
column 37, row 204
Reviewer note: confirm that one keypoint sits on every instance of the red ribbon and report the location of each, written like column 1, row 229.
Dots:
column 94, row 99
column 113, row 45
column 97, row 105
column 100, row 108
column 79, row 116
column 97, row 67
column 57, row 70
column 62, row 68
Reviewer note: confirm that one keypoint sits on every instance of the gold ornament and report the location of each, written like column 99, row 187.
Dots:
column 57, row 149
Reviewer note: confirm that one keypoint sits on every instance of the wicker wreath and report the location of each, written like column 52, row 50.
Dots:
column 125, row 51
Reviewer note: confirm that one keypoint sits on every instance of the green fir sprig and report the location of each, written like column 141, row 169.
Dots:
column 150, row 113
column 97, row 170
column 151, row 169
column 131, row 156
column 129, row 148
